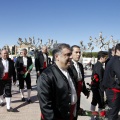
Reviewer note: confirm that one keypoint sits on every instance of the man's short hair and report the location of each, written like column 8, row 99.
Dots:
column 74, row 46
column 102, row 54
column 113, row 48
column 59, row 48
column 117, row 47
column 24, row 49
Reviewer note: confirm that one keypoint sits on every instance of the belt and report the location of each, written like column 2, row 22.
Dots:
column 114, row 89
column 115, row 92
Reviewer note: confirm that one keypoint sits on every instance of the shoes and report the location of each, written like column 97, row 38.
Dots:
column 29, row 101
column 2, row 104
column 10, row 110
column 23, row 99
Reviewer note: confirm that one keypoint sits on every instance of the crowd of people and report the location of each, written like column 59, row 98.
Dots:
column 60, row 82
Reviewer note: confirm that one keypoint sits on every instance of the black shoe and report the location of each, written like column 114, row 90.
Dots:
column 2, row 104
column 29, row 101
column 10, row 110
column 23, row 99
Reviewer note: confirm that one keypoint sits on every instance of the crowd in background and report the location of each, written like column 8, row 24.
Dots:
column 60, row 81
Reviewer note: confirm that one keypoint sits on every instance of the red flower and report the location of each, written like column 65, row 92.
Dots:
column 102, row 113
column 96, row 77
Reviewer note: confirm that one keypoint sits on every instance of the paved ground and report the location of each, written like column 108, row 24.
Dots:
column 24, row 111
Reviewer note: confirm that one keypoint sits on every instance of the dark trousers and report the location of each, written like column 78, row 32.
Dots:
column 27, row 80
column 41, row 70
column 113, row 99
column 5, row 88
column 98, row 98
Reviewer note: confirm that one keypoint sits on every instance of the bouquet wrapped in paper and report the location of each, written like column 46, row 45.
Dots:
column 29, row 69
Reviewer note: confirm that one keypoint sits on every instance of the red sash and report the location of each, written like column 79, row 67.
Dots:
column 79, row 88
column 6, row 76
column 115, row 92
column 24, row 69
column 44, row 65
column 72, row 108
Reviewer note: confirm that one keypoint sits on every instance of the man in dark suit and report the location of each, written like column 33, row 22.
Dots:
column 7, row 71
column 41, row 60
column 97, row 78
column 111, row 84
column 78, row 72
column 57, row 88
column 22, row 65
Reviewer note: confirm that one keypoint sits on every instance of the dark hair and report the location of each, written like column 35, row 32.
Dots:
column 74, row 46
column 59, row 48
column 24, row 49
column 101, row 54
column 117, row 47
column 113, row 48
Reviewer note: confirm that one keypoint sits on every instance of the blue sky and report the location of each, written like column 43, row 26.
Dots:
column 66, row 21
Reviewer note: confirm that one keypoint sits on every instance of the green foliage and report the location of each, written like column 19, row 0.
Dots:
column 90, row 54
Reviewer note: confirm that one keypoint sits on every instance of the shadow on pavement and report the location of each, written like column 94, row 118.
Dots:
column 33, row 99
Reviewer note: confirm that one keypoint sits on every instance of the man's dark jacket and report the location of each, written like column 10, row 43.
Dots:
column 19, row 64
column 54, row 93
column 39, row 61
column 112, row 73
column 99, row 70
column 11, row 69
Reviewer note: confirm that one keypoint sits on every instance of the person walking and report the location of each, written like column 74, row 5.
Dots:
column 56, row 87
column 41, row 60
column 77, row 69
column 111, row 84
column 97, row 78
column 7, row 72
column 22, row 65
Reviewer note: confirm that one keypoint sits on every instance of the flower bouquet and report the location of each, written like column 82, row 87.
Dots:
column 101, row 114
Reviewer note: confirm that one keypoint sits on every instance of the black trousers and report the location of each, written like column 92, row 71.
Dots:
column 5, row 88
column 27, row 80
column 113, row 99
column 41, row 70
column 98, row 98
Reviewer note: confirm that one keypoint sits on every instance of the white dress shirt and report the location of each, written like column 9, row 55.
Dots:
column 24, row 61
column 45, row 58
column 78, row 70
column 73, row 91
column 6, row 65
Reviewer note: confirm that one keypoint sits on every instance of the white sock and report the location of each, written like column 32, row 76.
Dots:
column 22, row 92
column 29, row 92
column 1, row 99
column 8, row 100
